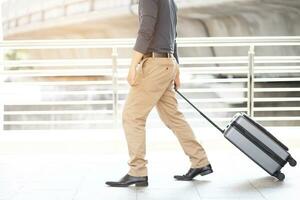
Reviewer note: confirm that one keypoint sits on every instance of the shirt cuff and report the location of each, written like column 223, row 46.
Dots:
column 141, row 44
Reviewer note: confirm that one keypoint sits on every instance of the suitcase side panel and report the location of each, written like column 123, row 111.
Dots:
column 262, row 137
column 259, row 144
column 265, row 131
column 252, row 151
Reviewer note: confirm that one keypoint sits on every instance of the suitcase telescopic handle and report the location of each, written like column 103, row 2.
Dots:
column 201, row 113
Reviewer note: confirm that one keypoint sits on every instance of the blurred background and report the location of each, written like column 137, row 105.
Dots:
column 56, row 97
column 63, row 65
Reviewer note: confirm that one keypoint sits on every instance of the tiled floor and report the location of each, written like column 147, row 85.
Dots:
column 74, row 166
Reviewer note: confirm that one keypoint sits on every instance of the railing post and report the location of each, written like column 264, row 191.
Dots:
column 1, row 79
column 1, row 90
column 42, row 15
column 92, row 5
column 115, row 84
column 65, row 10
column 251, row 54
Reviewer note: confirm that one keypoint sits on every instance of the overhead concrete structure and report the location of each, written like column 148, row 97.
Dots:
column 58, row 19
column 81, row 18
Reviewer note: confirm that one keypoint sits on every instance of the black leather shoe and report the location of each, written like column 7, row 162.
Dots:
column 128, row 180
column 193, row 172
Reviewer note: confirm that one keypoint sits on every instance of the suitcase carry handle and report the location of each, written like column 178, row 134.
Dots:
column 201, row 113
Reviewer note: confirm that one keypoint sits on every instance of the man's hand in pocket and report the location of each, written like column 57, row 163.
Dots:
column 131, row 75
column 136, row 58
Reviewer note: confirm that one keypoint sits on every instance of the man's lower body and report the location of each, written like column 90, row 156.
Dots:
column 154, row 87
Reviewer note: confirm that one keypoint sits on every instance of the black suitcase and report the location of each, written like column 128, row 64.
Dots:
column 256, row 142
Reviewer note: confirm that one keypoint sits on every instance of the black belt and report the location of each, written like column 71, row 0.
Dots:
column 158, row 55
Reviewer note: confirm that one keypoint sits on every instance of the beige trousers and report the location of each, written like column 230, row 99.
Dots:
column 153, row 86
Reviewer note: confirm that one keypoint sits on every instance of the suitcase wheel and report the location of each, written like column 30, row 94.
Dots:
column 292, row 161
column 280, row 176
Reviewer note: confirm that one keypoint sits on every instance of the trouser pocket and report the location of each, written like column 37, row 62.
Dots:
column 158, row 73
column 139, row 72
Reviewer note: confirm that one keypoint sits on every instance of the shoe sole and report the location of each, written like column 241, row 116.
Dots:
column 206, row 172
column 138, row 184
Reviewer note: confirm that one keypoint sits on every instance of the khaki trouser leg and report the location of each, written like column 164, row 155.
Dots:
column 167, row 108
column 137, row 107
column 153, row 77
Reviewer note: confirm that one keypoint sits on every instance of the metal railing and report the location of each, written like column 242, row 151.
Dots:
column 90, row 93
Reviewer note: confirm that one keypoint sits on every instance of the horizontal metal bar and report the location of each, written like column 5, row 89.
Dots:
column 121, row 62
column 208, row 100
column 99, row 73
column 216, row 72
column 58, row 71
column 277, row 59
column 54, row 83
column 85, row 63
column 200, row 71
column 67, row 44
column 217, row 100
column 194, row 120
column 277, row 118
column 213, row 60
column 239, row 41
column 217, row 119
column 128, row 42
column 53, row 122
column 126, row 62
column 211, row 68
column 201, row 90
column 290, row 79
column 22, row 102
column 223, row 119
column 276, row 89
column 202, row 80
column 214, row 90
column 47, row 73
column 277, row 99
column 215, row 110
column 95, row 72
column 68, row 112
column 225, row 80
column 85, row 92
column 199, row 80
column 57, row 63
column 220, row 119
column 276, row 109
column 276, row 67
column 270, row 71
column 184, row 60
column 63, row 112
column 240, row 60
